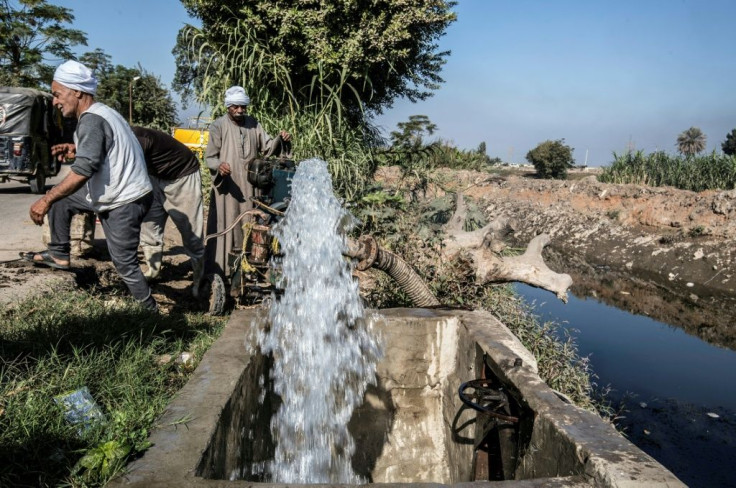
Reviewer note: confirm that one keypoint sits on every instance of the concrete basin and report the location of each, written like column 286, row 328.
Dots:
column 413, row 427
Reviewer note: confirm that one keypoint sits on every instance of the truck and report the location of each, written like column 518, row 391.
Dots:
column 29, row 126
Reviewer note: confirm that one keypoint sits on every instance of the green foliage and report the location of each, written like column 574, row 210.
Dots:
column 32, row 32
column 152, row 104
column 415, row 157
column 449, row 156
column 50, row 346
column 381, row 49
column 729, row 145
column 103, row 460
column 320, row 123
column 691, row 142
column 551, row 159
column 411, row 134
column 695, row 173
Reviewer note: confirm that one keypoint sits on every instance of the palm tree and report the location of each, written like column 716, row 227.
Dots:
column 691, row 141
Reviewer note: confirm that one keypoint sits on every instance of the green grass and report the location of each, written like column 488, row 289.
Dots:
column 51, row 346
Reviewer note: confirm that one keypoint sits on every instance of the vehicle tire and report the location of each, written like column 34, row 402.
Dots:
column 214, row 290
column 38, row 182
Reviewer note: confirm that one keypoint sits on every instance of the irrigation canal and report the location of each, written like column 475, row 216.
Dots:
column 676, row 393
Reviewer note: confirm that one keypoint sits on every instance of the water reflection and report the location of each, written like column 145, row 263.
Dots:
column 703, row 312
column 637, row 354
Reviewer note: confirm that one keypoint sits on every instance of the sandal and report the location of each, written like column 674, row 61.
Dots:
column 46, row 259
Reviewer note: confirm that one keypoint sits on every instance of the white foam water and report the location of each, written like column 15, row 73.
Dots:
column 324, row 351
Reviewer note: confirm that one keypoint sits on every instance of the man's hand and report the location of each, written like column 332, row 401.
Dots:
column 64, row 152
column 71, row 183
column 224, row 169
column 39, row 210
column 285, row 136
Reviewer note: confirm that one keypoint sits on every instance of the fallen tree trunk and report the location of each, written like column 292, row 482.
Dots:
column 484, row 246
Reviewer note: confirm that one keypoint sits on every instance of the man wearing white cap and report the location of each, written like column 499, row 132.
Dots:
column 108, row 177
column 235, row 140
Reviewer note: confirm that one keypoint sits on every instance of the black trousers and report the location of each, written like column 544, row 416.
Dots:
column 122, row 226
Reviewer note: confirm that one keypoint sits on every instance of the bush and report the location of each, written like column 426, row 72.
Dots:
column 551, row 159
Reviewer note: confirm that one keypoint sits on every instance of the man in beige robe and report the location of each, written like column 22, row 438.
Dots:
column 235, row 140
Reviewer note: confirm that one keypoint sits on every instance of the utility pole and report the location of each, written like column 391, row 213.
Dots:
column 130, row 99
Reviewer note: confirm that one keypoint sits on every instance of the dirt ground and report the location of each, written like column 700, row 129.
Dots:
column 93, row 268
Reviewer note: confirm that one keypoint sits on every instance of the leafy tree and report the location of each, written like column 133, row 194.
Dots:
column 151, row 102
column 691, row 142
column 411, row 133
column 551, row 159
column 482, row 148
column 32, row 33
column 365, row 52
column 729, row 145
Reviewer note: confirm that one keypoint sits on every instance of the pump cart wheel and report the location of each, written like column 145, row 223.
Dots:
column 216, row 293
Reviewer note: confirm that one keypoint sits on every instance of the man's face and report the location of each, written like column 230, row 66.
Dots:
column 65, row 99
column 236, row 112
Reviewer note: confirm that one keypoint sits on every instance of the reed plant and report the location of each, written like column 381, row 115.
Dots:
column 696, row 173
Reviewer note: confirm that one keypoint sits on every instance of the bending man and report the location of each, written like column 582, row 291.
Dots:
column 177, row 193
column 235, row 140
column 108, row 177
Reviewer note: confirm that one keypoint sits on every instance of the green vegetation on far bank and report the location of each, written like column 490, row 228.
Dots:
column 696, row 173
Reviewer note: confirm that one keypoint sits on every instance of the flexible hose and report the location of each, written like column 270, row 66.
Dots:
column 406, row 277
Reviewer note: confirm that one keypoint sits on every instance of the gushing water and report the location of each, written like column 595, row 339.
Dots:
column 324, row 352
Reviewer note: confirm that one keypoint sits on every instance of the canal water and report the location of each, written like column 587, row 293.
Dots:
column 676, row 393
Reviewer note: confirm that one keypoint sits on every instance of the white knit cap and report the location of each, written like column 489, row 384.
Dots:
column 235, row 95
column 76, row 76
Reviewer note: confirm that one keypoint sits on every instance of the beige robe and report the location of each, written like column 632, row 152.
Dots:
column 238, row 145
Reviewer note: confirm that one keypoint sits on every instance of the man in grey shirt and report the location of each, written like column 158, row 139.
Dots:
column 108, row 177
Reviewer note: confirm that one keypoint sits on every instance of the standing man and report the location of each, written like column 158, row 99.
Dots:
column 235, row 140
column 108, row 177
column 177, row 193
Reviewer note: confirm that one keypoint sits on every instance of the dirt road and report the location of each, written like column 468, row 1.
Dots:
column 19, row 233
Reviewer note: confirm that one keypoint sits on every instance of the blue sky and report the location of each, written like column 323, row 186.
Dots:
column 605, row 76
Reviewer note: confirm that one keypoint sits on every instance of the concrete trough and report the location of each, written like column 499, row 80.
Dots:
column 412, row 428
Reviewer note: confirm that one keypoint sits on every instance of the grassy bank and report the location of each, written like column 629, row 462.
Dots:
column 124, row 355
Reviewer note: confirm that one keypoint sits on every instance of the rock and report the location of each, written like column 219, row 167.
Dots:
column 723, row 203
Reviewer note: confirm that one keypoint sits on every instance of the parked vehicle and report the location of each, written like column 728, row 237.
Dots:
column 195, row 135
column 29, row 126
